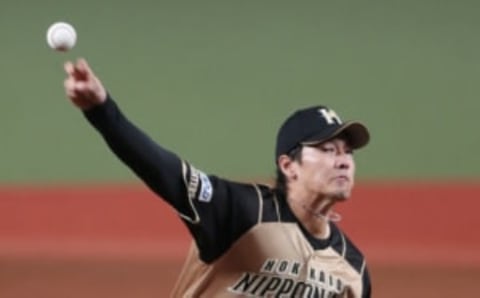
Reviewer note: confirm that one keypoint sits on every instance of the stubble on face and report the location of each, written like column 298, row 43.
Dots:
column 342, row 187
column 326, row 173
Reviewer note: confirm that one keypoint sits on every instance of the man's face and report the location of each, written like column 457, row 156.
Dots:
column 327, row 169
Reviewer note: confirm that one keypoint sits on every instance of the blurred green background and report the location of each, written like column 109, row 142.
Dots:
column 212, row 80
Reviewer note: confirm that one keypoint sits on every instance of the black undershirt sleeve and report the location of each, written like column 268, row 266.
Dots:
column 159, row 168
column 212, row 208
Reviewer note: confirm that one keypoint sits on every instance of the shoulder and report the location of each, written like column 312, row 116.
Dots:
column 244, row 193
column 257, row 201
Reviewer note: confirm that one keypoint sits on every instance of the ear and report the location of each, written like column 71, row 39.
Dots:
column 286, row 165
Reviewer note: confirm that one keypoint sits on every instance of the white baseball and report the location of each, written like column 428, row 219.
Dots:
column 61, row 36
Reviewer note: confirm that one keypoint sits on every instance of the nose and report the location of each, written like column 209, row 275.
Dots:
column 343, row 161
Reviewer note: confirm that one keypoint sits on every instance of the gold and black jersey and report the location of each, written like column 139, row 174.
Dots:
column 246, row 241
column 249, row 244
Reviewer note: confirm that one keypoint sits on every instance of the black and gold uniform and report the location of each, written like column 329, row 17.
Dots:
column 247, row 242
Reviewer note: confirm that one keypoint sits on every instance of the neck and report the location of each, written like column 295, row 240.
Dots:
column 314, row 214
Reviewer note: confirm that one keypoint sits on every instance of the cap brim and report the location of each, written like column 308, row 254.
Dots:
column 356, row 133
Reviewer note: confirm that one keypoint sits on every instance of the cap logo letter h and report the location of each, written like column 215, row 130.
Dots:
column 330, row 116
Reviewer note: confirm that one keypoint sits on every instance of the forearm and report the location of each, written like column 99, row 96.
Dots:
column 160, row 169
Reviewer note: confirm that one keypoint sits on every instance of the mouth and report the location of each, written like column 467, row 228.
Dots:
column 342, row 177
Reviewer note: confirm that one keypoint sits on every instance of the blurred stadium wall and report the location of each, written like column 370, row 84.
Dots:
column 212, row 81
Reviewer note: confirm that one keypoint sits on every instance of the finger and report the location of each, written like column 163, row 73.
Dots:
column 69, row 89
column 72, row 95
column 83, row 66
column 79, row 74
column 69, row 84
column 82, row 87
column 78, row 70
column 69, row 68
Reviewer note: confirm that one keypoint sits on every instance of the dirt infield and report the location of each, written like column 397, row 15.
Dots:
column 80, row 278
column 121, row 241
column 422, row 281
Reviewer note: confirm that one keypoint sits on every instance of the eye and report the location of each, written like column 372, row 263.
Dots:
column 327, row 149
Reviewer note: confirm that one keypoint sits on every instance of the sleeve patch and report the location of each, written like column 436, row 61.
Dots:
column 193, row 182
column 206, row 190
column 199, row 186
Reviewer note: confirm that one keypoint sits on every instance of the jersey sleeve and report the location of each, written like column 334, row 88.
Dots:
column 222, row 211
column 216, row 211
column 159, row 168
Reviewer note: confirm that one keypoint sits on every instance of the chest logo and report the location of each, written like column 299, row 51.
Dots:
column 286, row 278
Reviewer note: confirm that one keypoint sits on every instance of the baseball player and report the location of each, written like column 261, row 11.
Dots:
column 249, row 240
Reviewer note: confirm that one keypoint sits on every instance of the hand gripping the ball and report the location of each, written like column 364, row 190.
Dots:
column 82, row 86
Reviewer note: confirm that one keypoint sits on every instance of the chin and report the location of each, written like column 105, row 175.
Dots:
column 341, row 195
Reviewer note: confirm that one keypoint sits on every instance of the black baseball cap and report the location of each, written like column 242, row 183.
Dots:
column 315, row 125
